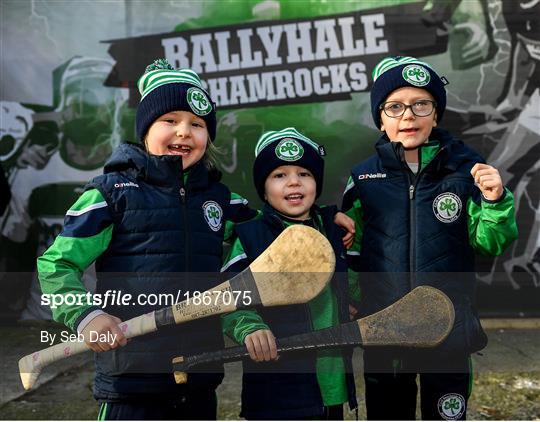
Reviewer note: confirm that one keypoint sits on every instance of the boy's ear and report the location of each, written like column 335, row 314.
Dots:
column 382, row 128
column 435, row 120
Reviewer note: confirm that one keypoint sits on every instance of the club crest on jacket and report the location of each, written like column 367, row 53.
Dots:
column 447, row 207
column 213, row 214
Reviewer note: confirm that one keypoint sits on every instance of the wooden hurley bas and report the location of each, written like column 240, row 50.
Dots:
column 422, row 318
column 295, row 268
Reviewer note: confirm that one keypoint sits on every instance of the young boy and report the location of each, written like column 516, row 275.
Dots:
column 423, row 204
column 155, row 224
column 288, row 175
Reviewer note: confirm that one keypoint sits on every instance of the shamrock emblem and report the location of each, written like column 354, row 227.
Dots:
column 416, row 73
column 289, row 148
column 452, row 405
column 213, row 213
column 448, row 205
column 200, row 99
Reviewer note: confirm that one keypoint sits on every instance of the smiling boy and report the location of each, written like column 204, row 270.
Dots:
column 288, row 175
column 432, row 204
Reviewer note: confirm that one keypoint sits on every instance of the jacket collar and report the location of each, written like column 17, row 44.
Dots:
column 452, row 154
column 279, row 222
column 160, row 170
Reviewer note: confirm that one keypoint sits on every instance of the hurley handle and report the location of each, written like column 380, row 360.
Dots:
column 30, row 366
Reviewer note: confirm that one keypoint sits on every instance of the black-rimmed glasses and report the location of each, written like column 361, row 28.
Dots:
column 420, row 108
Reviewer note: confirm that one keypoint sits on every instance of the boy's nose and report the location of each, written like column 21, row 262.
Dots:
column 182, row 130
column 408, row 114
column 294, row 180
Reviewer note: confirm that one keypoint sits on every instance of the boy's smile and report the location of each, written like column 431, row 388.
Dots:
column 409, row 129
column 179, row 149
column 178, row 133
column 291, row 191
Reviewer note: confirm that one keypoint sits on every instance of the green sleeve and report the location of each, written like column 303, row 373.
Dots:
column 492, row 224
column 239, row 212
column 61, row 266
column 229, row 231
column 236, row 259
column 237, row 325
column 353, row 253
column 356, row 213
column 352, row 207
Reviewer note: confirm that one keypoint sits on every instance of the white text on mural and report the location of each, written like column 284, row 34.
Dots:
column 283, row 61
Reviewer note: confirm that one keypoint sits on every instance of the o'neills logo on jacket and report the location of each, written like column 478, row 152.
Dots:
column 372, row 176
column 126, row 185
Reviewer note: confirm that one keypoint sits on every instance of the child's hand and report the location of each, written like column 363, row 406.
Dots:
column 261, row 345
column 101, row 328
column 488, row 180
column 346, row 223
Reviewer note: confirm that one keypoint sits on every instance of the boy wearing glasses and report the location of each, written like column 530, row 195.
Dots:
column 424, row 204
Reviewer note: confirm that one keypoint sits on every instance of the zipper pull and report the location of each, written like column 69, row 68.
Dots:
column 411, row 192
column 183, row 194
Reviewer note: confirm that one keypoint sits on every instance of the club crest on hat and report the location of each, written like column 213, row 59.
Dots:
column 213, row 214
column 416, row 75
column 451, row 406
column 447, row 207
column 198, row 101
column 289, row 150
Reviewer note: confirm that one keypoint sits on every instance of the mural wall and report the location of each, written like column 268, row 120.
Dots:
column 68, row 96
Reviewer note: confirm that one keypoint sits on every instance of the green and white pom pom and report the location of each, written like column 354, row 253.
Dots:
column 160, row 72
column 159, row 64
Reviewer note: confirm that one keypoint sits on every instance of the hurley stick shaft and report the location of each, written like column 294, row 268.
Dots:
column 342, row 335
column 422, row 318
column 293, row 269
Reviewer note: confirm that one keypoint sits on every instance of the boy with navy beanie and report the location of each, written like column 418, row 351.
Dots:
column 154, row 223
column 288, row 175
column 164, row 88
column 424, row 204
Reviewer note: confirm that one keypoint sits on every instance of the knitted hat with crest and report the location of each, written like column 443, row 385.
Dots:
column 286, row 147
column 164, row 89
column 392, row 73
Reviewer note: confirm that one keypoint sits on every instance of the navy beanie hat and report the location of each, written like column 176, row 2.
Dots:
column 164, row 89
column 396, row 72
column 286, row 147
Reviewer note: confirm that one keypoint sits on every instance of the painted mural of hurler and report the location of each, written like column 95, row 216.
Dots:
column 48, row 158
column 504, row 38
